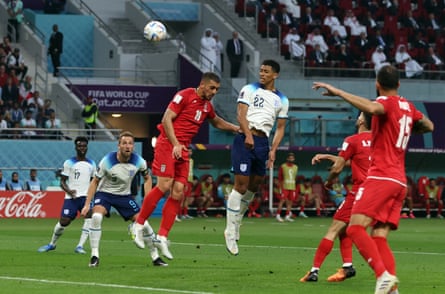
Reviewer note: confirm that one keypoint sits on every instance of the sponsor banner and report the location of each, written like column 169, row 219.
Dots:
column 112, row 98
column 31, row 204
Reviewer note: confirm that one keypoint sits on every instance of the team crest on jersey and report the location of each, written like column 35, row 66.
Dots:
column 163, row 168
column 206, row 107
column 243, row 167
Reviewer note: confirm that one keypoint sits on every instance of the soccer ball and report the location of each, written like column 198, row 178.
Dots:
column 155, row 31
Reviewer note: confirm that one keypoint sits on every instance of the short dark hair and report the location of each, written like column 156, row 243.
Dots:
column 80, row 139
column 388, row 77
column 368, row 118
column 210, row 76
column 272, row 63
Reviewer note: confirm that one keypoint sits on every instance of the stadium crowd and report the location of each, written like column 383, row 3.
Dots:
column 351, row 33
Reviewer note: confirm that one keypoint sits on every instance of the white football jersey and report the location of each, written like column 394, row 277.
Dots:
column 116, row 177
column 79, row 175
column 264, row 106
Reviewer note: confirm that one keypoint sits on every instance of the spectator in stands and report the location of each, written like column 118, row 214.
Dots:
column 16, row 114
column 308, row 197
column 412, row 67
column 408, row 21
column 378, row 40
column 297, row 50
column 432, row 24
column 29, row 124
column 10, row 93
column 219, row 49
column 331, row 20
column 308, row 18
column 6, row 45
column 352, row 22
column 345, row 59
column 287, row 175
column 369, row 22
column 434, row 63
column 420, row 41
column 3, row 75
column 46, row 112
column 25, row 89
column 55, row 49
column 15, row 11
column 33, row 183
column 286, row 18
column 235, row 53
column 378, row 58
column 433, row 195
column 15, row 184
column 54, row 125
column 207, row 56
column 315, row 37
column 336, row 40
column 90, row 113
column 36, row 104
column 3, row 183
column 17, row 63
column 318, row 57
column 361, row 45
column 273, row 23
column 206, row 196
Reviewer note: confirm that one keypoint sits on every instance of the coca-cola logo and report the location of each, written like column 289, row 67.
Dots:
column 22, row 204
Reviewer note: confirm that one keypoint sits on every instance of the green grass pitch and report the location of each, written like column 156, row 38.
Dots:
column 273, row 257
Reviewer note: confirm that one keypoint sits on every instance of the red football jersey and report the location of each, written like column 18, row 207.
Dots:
column 390, row 135
column 191, row 112
column 357, row 148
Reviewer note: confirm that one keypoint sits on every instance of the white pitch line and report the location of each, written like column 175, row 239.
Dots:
column 100, row 285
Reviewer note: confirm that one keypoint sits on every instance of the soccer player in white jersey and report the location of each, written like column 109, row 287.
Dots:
column 260, row 105
column 78, row 171
column 111, row 187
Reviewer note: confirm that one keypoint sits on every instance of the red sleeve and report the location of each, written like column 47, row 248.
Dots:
column 347, row 148
column 178, row 102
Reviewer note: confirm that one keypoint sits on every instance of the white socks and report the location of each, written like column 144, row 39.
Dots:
column 95, row 233
column 85, row 232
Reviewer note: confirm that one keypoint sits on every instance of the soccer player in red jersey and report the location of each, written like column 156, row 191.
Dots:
column 181, row 122
column 379, row 199
column 355, row 152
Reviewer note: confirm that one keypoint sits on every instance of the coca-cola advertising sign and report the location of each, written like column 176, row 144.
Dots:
column 31, row 204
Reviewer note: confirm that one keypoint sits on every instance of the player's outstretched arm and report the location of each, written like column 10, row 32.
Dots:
column 360, row 103
column 224, row 125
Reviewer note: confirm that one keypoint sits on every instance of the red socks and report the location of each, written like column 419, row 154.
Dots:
column 169, row 212
column 367, row 248
column 346, row 248
column 323, row 250
column 149, row 204
column 386, row 254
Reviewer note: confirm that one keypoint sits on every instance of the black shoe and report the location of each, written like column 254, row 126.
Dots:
column 349, row 271
column 94, row 262
column 310, row 277
column 159, row 262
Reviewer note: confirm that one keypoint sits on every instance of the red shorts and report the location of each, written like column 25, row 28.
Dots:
column 381, row 200
column 164, row 165
column 343, row 212
column 288, row 195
